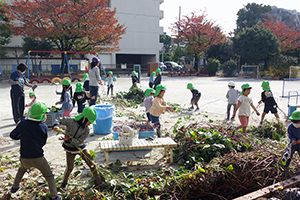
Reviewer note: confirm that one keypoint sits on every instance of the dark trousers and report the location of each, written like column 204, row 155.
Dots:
column 18, row 105
column 86, row 85
column 93, row 95
column 80, row 107
column 110, row 87
column 229, row 108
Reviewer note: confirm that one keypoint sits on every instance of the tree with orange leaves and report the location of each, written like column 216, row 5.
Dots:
column 197, row 34
column 71, row 25
column 288, row 36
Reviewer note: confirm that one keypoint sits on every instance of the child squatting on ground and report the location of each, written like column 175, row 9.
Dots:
column 33, row 135
column 148, row 100
column 294, row 135
column 110, row 83
column 66, row 98
column 196, row 96
column 158, row 107
column 232, row 97
column 244, row 104
column 80, row 97
column 77, row 131
column 269, row 101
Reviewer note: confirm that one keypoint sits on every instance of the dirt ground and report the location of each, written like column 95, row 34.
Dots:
column 212, row 107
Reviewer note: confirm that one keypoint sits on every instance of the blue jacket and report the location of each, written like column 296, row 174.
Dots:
column 20, row 78
column 67, row 104
column 33, row 136
column 294, row 133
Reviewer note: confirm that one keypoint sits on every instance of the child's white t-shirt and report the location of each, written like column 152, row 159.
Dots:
column 244, row 109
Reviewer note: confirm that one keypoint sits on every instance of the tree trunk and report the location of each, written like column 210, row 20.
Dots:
column 196, row 64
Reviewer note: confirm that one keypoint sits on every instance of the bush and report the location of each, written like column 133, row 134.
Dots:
column 279, row 65
column 229, row 67
column 213, row 66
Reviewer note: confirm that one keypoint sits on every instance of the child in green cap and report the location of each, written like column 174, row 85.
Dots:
column 196, row 96
column 294, row 135
column 110, row 82
column 80, row 97
column 151, row 79
column 32, row 133
column 157, row 80
column 148, row 100
column 134, row 79
column 33, row 100
column 77, row 131
column 86, row 82
column 66, row 98
column 158, row 107
column 269, row 101
column 244, row 104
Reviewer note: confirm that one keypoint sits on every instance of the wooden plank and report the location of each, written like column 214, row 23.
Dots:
column 270, row 189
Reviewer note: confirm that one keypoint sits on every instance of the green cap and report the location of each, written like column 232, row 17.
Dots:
column 133, row 72
column 66, row 82
column 245, row 86
column 32, row 94
column 79, row 87
column 110, row 72
column 153, row 73
column 85, row 76
column 295, row 115
column 266, row 86
column 158, row 70
column 159, row 88
column 38, row 111
column 89, row 113
column 149, row 91
column 190, row 85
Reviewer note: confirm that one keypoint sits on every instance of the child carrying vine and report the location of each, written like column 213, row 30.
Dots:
column 77, row 131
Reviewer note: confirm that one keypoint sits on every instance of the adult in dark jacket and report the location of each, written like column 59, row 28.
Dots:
column 33, row 135
column 17, row 81
column 157, row 80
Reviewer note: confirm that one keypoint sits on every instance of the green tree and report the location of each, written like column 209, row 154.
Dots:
column 33, row 44
column 255, row 44
column 251, row 14
column 223, row 52
column 5, row 33
column 167, row 41
column 178, row 54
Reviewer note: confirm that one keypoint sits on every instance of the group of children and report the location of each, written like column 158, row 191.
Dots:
column 242, row 103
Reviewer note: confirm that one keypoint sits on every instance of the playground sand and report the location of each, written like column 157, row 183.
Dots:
column 212, row 108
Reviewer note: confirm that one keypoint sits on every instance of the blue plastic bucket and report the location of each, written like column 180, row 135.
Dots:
column 104, row 119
